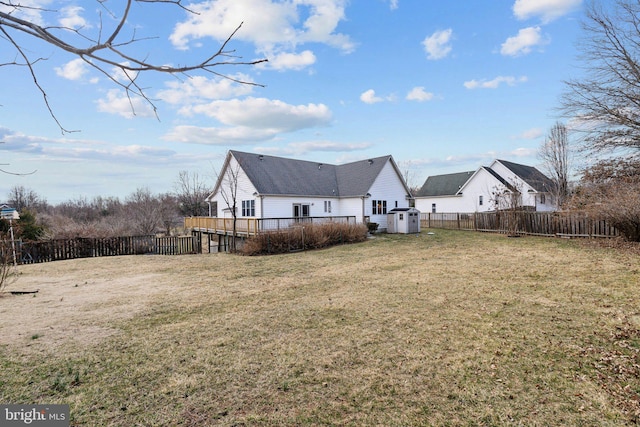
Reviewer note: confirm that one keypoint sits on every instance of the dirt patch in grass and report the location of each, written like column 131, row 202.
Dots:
column 453, row 328
column 78, row 302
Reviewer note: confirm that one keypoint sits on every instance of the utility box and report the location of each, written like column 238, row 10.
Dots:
column 403, row 220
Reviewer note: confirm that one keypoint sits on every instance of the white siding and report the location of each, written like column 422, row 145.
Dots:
column 482, row 183
column 530, row 197
column 352, row 207
column 282, row 206
column 245, row 192
column 387, row 186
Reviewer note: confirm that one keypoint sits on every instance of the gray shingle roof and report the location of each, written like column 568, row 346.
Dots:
column 444, row 185
column 532, row 176
column 281, row 176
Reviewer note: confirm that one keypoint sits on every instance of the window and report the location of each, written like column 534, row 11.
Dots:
column 480, row 200
column 400, row 217
column 378, row 207
column 433, row 208
column 327, row 206
column 248, row 208
column 300, row 210
column 542, row 199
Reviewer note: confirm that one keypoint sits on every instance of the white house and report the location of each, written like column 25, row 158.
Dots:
column 487, row 189
column 277, row 187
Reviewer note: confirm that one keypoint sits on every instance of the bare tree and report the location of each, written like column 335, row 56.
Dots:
column 144, row 211
column 191, row 192
column 556, row 157
column 169, row 212
column 409, row 175
column 104, row 47
column 21, row 198
column 606, row 101
column 507, row 201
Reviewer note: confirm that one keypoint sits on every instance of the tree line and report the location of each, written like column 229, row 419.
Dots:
column 140, row 213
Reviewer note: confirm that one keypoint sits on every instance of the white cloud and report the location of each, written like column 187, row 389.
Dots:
column 218, row 136
column 68, row 149
column 419, row 94
column 393, row 4
column 29, row 10
column 70, row 17
column 198, row 89
column 523, row 42
column 302, row 148
column 250, row 120
column 117, row 102
column 72, row 70
column 123, row 75
column 291, row 61
column 533, row 133
column 266, row 114
column 547, row 10
column 369, row 97
column 495, row 83
column 438, row 44
column 270, row 25
column 523, row 152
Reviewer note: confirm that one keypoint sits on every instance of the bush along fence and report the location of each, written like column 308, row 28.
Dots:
column 310, row 236
column 561, row 224
column 64, row 249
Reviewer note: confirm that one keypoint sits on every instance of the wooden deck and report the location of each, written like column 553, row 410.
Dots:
column 252, row 226
column 244, row 226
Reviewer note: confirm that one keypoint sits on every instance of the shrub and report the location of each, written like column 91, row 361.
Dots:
column 610, row 190
column 311, row 236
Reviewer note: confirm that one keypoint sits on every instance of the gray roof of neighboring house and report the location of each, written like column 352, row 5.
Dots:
column 532, row 176
column 281, row 176
column 444, row 185
column 497, row 176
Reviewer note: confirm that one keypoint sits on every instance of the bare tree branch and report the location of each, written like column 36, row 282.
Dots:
column 109, row 54
column 607, row 100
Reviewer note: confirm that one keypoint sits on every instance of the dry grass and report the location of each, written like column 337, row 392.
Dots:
column 455, row 328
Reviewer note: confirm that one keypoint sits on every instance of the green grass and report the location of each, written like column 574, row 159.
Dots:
column 456, row 328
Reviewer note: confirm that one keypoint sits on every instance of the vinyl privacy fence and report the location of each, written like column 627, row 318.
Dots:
column 562, row 224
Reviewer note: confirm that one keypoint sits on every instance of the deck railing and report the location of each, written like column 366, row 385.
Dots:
column 250, row 226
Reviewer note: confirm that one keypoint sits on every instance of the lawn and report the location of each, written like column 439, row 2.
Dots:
column 452, row 328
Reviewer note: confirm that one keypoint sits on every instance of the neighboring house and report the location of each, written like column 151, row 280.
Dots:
column 276, row 187
column 487, row 189
column 7, row 212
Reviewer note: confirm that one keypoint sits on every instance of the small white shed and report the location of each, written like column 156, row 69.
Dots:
column 403, row 220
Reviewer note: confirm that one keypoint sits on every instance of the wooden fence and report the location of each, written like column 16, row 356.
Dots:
column 64, row 249
column 563, row 224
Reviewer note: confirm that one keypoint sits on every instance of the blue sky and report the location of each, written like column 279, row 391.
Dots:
column 443, row 86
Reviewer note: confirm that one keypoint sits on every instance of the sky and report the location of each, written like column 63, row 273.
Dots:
column 442, row 86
